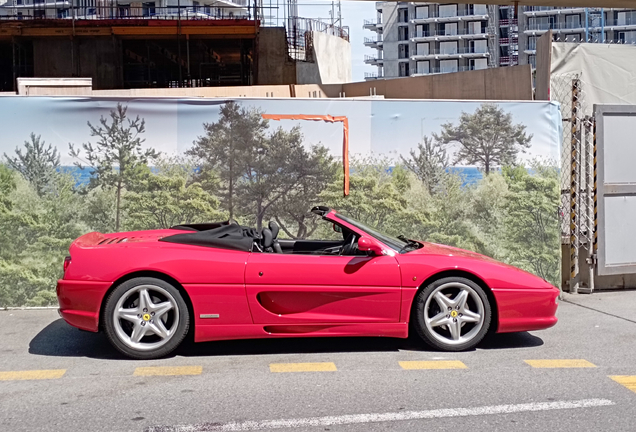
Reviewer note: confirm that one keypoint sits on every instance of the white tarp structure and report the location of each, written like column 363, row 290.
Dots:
column 607, row 71
column 559, row 3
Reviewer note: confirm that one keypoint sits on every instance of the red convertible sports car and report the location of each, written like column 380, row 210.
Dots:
column 147, row 289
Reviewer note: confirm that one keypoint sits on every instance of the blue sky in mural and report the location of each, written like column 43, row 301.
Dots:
column 378, row 126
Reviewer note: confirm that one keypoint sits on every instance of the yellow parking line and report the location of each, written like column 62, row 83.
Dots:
column 560, row 363
column 168, row 370
column 32, row 375
column 303, row 367
column 626, row 380
column 436, row 364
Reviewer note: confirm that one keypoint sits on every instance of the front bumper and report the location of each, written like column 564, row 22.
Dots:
column 526, row 309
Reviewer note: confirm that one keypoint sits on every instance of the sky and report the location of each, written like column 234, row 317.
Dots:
column 353, row 15
column 389, row 127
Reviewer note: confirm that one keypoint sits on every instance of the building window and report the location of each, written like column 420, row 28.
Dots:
column 628, row 37
column 532, row 59
column 480, row 9
column 448, row 47
column 573, row 21
column 532, row 43
column 479, row 46
column 18, row 2
column 403, row 51
column 541, row 23
column 450, row 29
column 446, row 11
column 446, row 66
column 478, row 64
column 421, row 31
column 404, row 69
column 403, row 15
column 475, row 27
column 422, row 49
column 626, row 18
column 403, row 33
column 423, row 67
column 421, row 12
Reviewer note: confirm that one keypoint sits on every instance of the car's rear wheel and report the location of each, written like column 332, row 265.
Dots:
column 452, row 314
column 146, row 318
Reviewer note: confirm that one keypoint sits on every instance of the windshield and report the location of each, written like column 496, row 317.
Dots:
column 393, row 242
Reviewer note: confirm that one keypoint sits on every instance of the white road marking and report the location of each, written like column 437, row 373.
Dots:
column 382, row 417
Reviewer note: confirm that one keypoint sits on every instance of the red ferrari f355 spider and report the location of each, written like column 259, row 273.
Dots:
column 147, row 289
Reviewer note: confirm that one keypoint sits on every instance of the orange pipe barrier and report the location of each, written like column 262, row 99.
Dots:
column 330, row 119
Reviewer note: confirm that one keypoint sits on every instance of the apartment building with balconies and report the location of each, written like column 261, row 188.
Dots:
column 595, row 25
column 426, row 37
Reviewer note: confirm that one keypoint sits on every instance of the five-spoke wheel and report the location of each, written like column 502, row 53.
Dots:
column 146, row 318
column 452, row 314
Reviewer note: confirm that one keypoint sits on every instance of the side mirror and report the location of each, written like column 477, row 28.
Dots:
column 337, row 228
column 367, row 244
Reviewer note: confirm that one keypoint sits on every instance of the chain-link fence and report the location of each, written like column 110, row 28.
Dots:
column 578, row 172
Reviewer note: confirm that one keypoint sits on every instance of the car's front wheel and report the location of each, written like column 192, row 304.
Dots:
column 452, row 314
column 146, row 318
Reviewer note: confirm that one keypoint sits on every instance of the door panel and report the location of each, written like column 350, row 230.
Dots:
column 287, row 289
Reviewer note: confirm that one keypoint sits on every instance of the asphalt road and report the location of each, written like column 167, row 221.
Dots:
column 56, row 378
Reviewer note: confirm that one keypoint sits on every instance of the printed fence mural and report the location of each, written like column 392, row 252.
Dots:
column 481, row 176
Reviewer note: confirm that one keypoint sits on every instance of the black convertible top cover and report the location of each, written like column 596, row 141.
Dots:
column 233, row 236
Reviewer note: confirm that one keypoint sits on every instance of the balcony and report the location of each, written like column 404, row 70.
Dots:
column 451, row 54
column 551, row 11
column 372, row 24
column 56, row 9
column 461, row 16
column 368, row 76
column 373, row 60
column 442, row 36
column 436, row 71
column 373, row 43
column 540, row 28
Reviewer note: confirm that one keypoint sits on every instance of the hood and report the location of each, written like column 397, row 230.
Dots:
column 443, row 250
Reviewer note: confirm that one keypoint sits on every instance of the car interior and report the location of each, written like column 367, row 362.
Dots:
column 269, row 243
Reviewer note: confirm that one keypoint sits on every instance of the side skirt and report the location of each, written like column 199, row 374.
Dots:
column 204, row 333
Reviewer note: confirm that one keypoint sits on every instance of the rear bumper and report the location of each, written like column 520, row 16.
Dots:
column 526, row 309
column 80, row 302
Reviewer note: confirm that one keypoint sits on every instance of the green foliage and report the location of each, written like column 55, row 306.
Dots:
column 246, row 170
column 531, row 226
column 227, row 148
column 37, row 163
column 429, row 163
column 258, row 168
column 486, row 138
column 7, row 185
column 35, row 235
column 116, row 156
column 166, row 199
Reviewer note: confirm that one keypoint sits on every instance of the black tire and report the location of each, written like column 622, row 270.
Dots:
column 427, row 305
column 175, row 321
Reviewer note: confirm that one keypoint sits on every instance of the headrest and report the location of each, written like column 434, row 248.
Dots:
column 268, row 238
column 273, row 226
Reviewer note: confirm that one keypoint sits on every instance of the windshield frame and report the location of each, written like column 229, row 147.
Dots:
column 395, row 244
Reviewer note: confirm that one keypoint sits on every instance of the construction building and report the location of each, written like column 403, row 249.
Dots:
column 422, row 38
column 171, row 43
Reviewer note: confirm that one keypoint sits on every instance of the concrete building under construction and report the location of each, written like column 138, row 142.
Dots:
column 171, row 43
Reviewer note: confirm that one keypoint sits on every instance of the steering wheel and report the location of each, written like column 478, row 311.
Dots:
column 348, row 244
